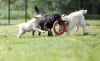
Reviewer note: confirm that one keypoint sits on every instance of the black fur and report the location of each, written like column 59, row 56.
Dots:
column 47, row 24
column 37, row 10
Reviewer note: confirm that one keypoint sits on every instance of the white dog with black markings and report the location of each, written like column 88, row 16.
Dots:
column 31, row 25
column 75, row 18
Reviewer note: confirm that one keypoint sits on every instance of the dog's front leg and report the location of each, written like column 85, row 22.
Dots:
column 33, row 33
column 39, row 33
column 60, row 28
column 77, row 27
column 68, row 30
column 50, row 32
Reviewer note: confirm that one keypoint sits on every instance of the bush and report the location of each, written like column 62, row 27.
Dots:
column 3, row 14
column 14, row 14
column 93, row 17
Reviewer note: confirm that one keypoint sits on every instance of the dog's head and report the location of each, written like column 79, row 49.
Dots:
column 62, row 16
column 83, row 11
column 65, row 18
column 40, row 17
column 56, row 17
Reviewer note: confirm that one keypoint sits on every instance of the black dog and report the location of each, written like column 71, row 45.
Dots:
column 47, row 24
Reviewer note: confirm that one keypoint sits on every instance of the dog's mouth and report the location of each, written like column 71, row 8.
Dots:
column 60, row 21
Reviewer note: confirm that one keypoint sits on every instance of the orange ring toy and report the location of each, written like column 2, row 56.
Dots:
column 63, row 28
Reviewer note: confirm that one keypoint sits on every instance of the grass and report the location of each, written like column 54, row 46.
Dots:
column 57, row 48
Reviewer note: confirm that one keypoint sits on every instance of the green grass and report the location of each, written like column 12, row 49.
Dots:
column 57, row 48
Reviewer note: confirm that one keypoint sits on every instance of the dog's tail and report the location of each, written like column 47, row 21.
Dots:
column 15, row 26
column 37, row 10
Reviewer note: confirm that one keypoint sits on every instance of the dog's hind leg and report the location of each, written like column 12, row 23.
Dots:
column 82, row 24
column 20, row 33
column 77, row 27
column 84, row 29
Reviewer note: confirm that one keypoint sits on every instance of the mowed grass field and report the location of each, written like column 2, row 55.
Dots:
column 57, row 48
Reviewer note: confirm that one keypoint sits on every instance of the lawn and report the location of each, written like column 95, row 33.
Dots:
column 57, row 48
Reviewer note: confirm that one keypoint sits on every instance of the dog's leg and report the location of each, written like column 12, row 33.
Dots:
column 50, row 32
column 82, row 23
column 39, row 33
column 68, row 30
column 83, row 29
column 77, row 27
column 33, row 33
column 60, row 28
column 20, row 33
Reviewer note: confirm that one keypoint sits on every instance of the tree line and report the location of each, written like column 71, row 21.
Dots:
column 49, row 6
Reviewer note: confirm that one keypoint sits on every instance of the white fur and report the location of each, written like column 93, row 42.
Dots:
column 31, row 25
column 75, row 18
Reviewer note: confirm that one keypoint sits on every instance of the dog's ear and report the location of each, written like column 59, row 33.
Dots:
column 36, row 10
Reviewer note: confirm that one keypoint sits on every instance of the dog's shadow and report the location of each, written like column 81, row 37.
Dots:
column 87, row 33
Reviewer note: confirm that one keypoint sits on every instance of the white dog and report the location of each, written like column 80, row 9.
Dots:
column 75, row 18
column 31, row 25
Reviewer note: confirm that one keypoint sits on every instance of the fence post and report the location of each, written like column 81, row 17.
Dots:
column 8, row 12
column 25, row 10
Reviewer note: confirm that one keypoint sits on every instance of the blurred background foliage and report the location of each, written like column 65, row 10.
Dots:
column 48, row 6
